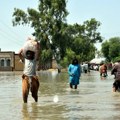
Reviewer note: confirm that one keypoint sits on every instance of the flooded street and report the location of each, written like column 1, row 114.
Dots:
column 93, row 100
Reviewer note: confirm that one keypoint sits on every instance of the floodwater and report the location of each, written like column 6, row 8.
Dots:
column 93, row 100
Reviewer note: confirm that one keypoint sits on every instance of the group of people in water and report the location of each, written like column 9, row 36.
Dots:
column 75, row 70
column 29, row 55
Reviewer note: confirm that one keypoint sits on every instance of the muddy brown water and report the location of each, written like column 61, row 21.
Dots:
column 93, row 100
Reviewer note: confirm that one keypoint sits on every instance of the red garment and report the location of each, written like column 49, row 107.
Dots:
column 103, row 68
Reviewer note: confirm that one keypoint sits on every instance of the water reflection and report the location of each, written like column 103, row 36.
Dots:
column 93, row 100
column 30, row 111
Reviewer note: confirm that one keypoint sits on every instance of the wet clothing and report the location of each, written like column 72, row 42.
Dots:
column 103, row 70
column 74, row 72
column 32, row 84
column 116, row 85
column 116, row 72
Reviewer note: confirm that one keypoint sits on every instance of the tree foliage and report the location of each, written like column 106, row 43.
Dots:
column 82, row 37
column 47, row 22
column 110, row 49
column 55, row 35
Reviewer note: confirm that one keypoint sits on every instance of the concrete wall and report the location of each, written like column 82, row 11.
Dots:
column 7, row 61
column 18, row 65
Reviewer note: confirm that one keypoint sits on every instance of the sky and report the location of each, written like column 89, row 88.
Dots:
column 104, row 11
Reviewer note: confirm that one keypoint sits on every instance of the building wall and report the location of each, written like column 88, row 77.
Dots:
column 6, row 61
column 9, row 61
column 18, row 65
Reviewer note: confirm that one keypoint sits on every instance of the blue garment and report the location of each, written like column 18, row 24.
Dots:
column 74, row 72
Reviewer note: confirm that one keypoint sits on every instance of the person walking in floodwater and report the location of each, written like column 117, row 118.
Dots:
column 103, row 70
column 30, row 55
column 116, row 71
column 74, row 71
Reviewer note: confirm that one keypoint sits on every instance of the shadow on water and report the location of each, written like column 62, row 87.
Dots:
column 93, row 100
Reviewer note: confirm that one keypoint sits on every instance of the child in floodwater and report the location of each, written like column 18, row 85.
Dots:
column 74, row 71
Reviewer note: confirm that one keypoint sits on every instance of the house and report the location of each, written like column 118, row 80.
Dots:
column 9, row 61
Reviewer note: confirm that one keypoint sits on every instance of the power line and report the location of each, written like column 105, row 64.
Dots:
column 8, row 36
column 11, row 33
column 11, row 29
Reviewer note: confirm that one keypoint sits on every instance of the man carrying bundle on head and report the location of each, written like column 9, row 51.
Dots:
column 29, row 54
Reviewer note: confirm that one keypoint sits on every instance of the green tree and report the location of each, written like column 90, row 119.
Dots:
column 68, row 57
column 99, row 54
column 91, row 31
column 50, row 27
column 110, row 49
column 81, row 38
column 47, row 22
column 105, row 50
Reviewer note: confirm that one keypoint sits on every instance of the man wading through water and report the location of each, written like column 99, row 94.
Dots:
column 29, row 54
column 116, row 71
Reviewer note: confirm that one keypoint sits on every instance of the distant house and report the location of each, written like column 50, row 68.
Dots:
column 9, row 61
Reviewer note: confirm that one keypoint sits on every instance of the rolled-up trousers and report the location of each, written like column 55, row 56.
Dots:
column 32, row 84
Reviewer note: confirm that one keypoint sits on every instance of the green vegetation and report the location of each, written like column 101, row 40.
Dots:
column 111, row 49
column 57, row 38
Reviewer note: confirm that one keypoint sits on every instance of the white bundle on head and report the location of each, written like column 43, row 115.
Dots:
column 30, row 45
